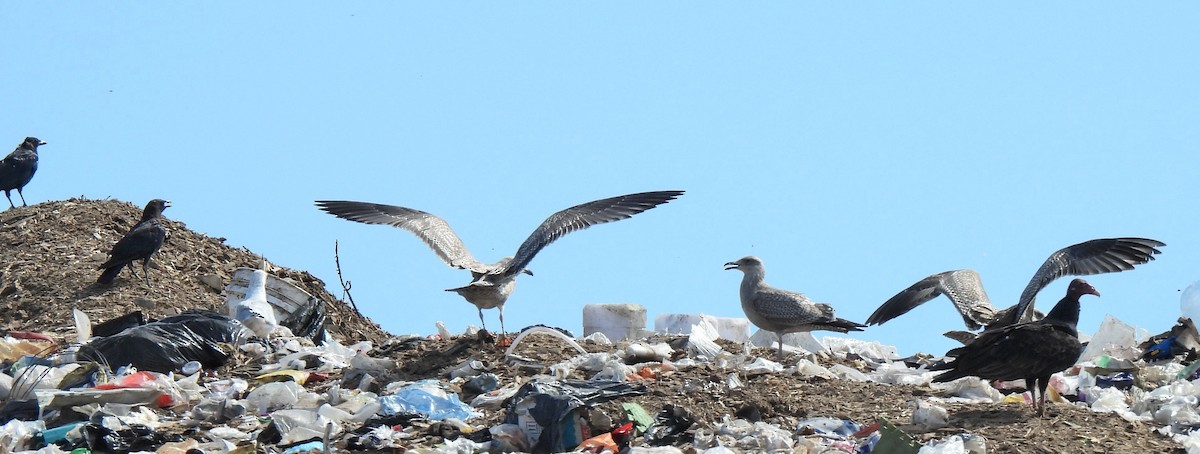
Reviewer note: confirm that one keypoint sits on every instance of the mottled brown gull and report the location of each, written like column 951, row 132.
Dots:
column 782, row 311
column 965, row 289
column 492, row 284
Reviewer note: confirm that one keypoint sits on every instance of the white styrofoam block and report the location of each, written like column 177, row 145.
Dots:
column 617, row 321
column 734, row 329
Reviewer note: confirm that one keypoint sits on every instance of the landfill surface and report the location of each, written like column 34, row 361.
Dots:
column 367, row 391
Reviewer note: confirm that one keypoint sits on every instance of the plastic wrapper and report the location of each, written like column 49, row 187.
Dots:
column 1114, row 338
column 928, row 416
column 761, row 366
column 701, row 341
column 898, row 373
column 274, row 396
column 17, row 435
column 968, row 390
column 302, row 424
column 746, row 436
column 733, row 329
column 803, row 343
column 847, row 373
column 645, row 351
column 806, row 368
column 957, row 444
column 871, row 350
column 426, row 397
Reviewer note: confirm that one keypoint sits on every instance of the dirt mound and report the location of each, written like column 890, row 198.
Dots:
column 48, row 258
column 49, row 253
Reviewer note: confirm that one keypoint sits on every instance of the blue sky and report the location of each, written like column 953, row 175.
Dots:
column 854, row 148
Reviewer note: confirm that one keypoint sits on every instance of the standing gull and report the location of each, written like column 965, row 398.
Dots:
column 965, row 289
column 18, row 168
column 492, row 284
column 781, row 311
column 140, row 243
column 1032, row 351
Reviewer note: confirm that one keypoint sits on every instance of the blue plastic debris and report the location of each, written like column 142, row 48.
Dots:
column 425, row 397
column 1119, row 380
column 315, row 445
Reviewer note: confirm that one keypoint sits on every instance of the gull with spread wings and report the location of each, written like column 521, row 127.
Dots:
column 965, row 290
column 492, row 284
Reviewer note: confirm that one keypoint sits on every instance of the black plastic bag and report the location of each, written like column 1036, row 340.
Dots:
column 168, row 344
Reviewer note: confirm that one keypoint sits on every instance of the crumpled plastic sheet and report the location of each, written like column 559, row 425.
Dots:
column 848, row 373
column 956, row 444
column 333, row 356
column 591, row 362
column 747, row 436
column 1114, row 338
column 426, row 397
column 1190, row 440
column 898, row 373
column 871, row 350
column 613, row 370
column 597, row 338
column 645, row 351
column 298, row 424
column 761, row 366
column 806, row 368
column 17, row 435
column 803, row 343
column 1171, row 404
column 702, row 340
column 967, row 390
column 274, row 396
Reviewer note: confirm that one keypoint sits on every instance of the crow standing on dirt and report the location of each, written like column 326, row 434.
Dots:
column 140, row 243
column 18, row 168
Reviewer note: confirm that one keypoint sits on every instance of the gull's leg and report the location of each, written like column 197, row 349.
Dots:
column 502, row 331
column 481, row 322
column 780, row 355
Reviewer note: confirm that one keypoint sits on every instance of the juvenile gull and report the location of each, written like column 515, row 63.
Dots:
column 140, row 243
column 491, row 285
column 965, row 289
column 782, row 311
column 18, row 168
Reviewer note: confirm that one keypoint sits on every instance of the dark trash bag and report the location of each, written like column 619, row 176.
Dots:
column 309, row 323
column 168, row 344
column 554, row 401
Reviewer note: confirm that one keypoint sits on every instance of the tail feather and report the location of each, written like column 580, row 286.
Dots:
column 848, row 325
column 110, row 274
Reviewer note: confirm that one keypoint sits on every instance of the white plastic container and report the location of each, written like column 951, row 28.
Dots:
column 735, row 329
column 617, row 321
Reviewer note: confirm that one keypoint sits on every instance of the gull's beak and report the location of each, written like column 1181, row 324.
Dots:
column 731, row 266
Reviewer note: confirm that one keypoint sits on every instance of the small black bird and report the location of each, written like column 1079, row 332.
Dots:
column 1033, row 351
column 18, row 168
column 140, row 243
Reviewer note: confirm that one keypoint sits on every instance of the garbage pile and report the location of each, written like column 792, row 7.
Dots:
column 206, row 382
column 256, row 371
